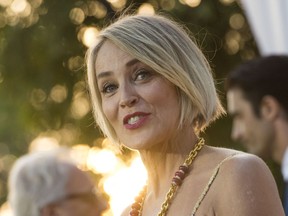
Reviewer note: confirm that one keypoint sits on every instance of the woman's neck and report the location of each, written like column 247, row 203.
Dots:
column 162, row 164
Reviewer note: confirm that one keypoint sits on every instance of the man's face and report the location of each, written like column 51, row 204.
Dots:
column 81, row 200
column 254, row 132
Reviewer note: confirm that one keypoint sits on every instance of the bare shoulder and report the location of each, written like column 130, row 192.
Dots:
column 245, row 170
column 245, row 162
column 238, row 163
column 249, row 187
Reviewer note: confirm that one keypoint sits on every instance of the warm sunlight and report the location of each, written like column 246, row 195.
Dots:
column 121, row 180
column 124, row 185
column 102, row 161
column 5, row 210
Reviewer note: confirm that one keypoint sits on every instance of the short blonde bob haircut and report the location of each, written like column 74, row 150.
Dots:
column 168, row 49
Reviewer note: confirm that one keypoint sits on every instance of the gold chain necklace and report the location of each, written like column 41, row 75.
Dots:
column 180, row 174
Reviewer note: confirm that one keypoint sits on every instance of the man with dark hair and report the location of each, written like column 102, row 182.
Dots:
column 257, row 97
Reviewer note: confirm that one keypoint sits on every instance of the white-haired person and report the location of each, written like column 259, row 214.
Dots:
column 152, row 91
column 48, row 184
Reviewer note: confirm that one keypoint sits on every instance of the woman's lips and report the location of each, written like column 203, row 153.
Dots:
column 135, row 120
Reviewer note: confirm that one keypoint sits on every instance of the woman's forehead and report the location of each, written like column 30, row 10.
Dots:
column 110, row 57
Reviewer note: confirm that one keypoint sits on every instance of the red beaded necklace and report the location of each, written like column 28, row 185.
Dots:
column 180, row 174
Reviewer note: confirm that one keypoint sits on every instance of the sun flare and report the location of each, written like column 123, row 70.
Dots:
column 122, row 180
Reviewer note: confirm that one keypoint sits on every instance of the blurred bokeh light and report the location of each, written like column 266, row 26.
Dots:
column 43, row 143
column 88, row 35
column 227, row 2
column 119, row 177
column 58, row 93
column 20, row 12
column 146, row 9
column 191, row 3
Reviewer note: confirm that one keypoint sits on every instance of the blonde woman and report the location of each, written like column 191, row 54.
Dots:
column 152, row 91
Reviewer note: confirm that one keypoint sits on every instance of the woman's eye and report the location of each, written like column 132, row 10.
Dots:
column 108, row 88
column 142, row 75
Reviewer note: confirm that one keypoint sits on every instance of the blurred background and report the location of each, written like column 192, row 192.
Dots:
column 43, row 95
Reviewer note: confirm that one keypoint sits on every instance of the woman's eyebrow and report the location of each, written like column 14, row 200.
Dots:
column 109, row 73
column 132, row 62
column 104, row 74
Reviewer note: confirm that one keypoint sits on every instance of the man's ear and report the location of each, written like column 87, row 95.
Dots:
column 49, row 210
column 270, row 109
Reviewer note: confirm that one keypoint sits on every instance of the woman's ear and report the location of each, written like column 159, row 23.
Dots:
column 270, row 109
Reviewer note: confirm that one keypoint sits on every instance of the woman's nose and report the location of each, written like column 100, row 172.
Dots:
column 129, row 96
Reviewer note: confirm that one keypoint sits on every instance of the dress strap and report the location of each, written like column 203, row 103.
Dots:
column 211, row 180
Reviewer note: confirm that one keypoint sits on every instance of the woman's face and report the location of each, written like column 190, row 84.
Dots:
column 141, row 105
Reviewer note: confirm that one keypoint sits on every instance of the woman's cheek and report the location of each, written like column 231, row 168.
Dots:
column 109, row 110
